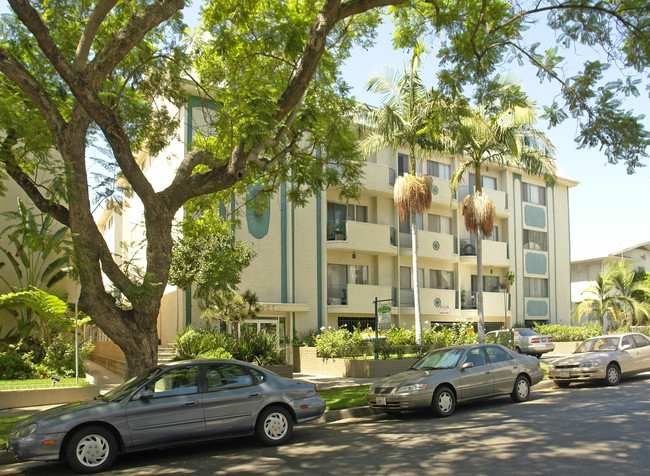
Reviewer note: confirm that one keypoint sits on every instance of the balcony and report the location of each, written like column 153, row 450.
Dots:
column 362, row 237
column 495, row 253
column 378, row 178
column 430, row 245
column 494, row 304
column 499, row 198
column 441, row 193
column 357, row 298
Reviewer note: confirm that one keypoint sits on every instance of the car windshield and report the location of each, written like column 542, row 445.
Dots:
column 118, row 393
column 599, row 344
column 439, row 359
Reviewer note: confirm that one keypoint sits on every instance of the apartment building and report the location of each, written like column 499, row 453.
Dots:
column 326, row 263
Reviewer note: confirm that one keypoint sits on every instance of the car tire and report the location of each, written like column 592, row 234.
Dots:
column 561, row 383
column 521, row 390
column 91, row 449
column 274, row 426
column 518, row 350
column 612, row 375
column 444, row 402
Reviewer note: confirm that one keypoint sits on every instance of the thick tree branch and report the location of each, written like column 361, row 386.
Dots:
column 92, row 27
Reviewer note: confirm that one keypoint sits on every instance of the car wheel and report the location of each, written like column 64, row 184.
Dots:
column 521, row 391
column 444, row 402
column 561, row 383
column 613, row 375
column 274, row 426
column 91, row 450
column 518, row 350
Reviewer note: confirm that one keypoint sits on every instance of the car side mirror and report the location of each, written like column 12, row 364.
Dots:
column 466, row 365
column 626, row 347
column 144, row 394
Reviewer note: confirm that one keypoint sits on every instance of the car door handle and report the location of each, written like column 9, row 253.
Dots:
column 191, row 404
column 254, row 395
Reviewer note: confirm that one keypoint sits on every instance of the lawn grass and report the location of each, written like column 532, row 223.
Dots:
column 6, row 425
column 28, row 384
column 345, row 397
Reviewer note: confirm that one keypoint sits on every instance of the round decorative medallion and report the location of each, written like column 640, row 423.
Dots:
column 435, row 190
column 436, row 245
column 437, row 302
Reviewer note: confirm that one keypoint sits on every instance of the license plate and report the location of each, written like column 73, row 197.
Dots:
column 564, row 374
column 381, row 400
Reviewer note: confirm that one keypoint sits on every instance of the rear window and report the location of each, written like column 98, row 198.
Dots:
column 527, row 332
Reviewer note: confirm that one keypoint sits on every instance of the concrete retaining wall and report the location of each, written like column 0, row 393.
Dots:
column 306, row 361
column 46, row 396
column 109, row 356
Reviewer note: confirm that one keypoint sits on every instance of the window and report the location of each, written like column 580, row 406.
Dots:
column 536, row 287
column 336, row 215
column 403, row 166
column 535, row 240
column 177, row 381
column 476, row 357
column 494, row 236
column 533, row 194
column 441, row 279
column 405, row 277
column 628, row 340
column 438, row 169
column 490, row 283
column 486, row 182
column 337, row 284
column 358, row 213
column 641, row 340
column 497, row 354
column 439, row 224
column 356, row 322
column 226, row 376
column 357, row 274
column 406, row 226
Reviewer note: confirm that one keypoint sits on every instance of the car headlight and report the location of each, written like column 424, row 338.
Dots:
column 28, row 430
column 590, row 364
column 411, row 387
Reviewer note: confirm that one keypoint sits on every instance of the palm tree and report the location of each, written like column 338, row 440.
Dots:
column 612, row 294
column 405, row 121
column 499, row 131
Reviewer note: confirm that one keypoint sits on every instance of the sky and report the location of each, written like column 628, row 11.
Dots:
column 609, row 209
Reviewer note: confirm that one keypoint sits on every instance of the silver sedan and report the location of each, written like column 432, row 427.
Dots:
column 185, row 401
column 605, row 358
column 456, row 374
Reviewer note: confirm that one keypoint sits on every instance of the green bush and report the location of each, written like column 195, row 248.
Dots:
column 341, row 343
column 59, row 358
column 563, row 333
column 14, row 363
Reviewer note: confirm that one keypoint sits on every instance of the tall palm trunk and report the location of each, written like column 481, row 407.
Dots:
column 416, row 279
column 479, row 285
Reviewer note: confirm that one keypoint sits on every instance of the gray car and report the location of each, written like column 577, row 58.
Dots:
column 456, row 374
column 180, row 402
column 523, row 340
column 605, row 358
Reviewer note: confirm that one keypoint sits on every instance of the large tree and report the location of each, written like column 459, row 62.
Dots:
column 75, row 70
column 500, row 130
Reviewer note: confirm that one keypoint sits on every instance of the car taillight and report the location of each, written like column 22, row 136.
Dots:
column 550, row 338
column 534, row 340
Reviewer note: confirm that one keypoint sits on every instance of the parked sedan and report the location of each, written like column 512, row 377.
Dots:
column 456, row 374
column 604, row 358
column 175, row 403
column 524, row 340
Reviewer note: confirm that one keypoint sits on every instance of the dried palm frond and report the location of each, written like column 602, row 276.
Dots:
column 478, row 210
column 412, row 194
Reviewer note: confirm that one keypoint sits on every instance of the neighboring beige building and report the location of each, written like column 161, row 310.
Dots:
column 583, row 272
column 324, row 264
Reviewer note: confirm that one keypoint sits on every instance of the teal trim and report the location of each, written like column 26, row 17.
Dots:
column 536, row 308
column 319, row 261
column 534, row 216
column 188, row 141
column 555, row 249
column 536, row 263
column 515, row 251
column 256, row 221
column 283, row 242
column 568, row 214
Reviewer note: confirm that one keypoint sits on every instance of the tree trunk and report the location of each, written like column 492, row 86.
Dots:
column 416, row 280
column 479, row 285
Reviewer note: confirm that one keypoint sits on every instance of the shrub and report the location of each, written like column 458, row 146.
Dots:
column 563, row 333
column 59, row 358
column 14, row 364
column 340, row 343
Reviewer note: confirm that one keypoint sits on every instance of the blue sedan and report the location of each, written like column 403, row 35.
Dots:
column 186, row 401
